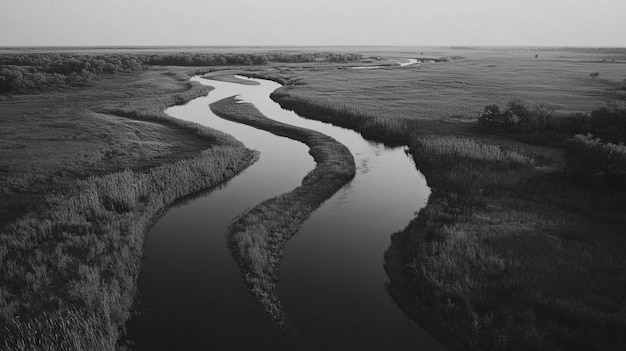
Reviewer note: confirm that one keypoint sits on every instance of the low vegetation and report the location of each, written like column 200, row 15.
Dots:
column 509, row 257
column 511, row 252
column 258, row 235
column 50, row 140
column 587, row 157
column 520, row 247
column 590, row 160
column 369, row 124
column 80, row 255
column 68, row 266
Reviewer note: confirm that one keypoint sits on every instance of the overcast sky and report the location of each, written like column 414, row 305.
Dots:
column 313, row 22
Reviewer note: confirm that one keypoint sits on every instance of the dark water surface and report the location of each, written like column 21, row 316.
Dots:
column 191, row 296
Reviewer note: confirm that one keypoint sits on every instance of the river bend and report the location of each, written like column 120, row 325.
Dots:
column 332, row 286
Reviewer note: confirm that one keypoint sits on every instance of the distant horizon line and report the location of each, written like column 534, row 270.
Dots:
column 303, row 46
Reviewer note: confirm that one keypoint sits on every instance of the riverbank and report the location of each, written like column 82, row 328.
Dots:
column 69, row 268
column 509, row 253
column 258, row 235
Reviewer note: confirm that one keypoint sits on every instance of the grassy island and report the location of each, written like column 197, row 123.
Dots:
column 258, row 235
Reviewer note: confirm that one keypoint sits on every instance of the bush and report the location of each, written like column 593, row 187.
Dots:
column 591, row 160
column 571, row 124
column 517, row 115
column 540, row 116
column 609, row 123
column 493, row 117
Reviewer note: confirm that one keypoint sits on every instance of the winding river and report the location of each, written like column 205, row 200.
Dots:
column 191, row 296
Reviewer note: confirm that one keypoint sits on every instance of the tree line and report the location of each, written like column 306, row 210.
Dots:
column 25, row 72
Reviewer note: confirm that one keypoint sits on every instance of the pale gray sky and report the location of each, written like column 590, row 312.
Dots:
column 313, row 22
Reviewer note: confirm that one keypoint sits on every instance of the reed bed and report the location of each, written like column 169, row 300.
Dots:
column 258, row 235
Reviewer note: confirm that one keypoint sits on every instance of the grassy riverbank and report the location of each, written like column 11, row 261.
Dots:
column 509, row 253
column 258, row 235
column 85, row 184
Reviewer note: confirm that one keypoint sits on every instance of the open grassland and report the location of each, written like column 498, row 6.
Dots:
column 461, row 87
column 87, row 184
column 53, row 138
column 509, row 253
column 258, row 235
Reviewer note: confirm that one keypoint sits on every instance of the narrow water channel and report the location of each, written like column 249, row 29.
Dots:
column 191, row 296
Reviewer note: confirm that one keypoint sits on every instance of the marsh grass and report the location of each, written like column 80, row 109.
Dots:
column 361, row 119
column 50, row 140
column 258, row 235
column 503, row 260
column 69, row 269
column 92, row 239
column 152, row 109
column 68, row 329
column 509, row 254
column 455, row 149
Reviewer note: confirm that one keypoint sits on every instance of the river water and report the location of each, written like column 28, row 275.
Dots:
column 191, row 296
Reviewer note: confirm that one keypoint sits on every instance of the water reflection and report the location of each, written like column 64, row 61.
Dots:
column 332, row 277
column 333, row 282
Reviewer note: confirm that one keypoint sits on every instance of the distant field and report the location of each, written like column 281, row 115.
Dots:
column 470, row 80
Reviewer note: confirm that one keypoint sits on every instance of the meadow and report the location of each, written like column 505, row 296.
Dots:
column 511, row 252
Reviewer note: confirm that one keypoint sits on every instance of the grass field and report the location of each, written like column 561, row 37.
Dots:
column 51, row 139
column 509, row 253
column 81, row 185
column 461, row 87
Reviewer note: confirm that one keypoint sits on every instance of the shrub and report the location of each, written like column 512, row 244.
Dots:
column 517, row 116
column 493, row 117
column 591, row 160
column 517, row 113
column 609, row 123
